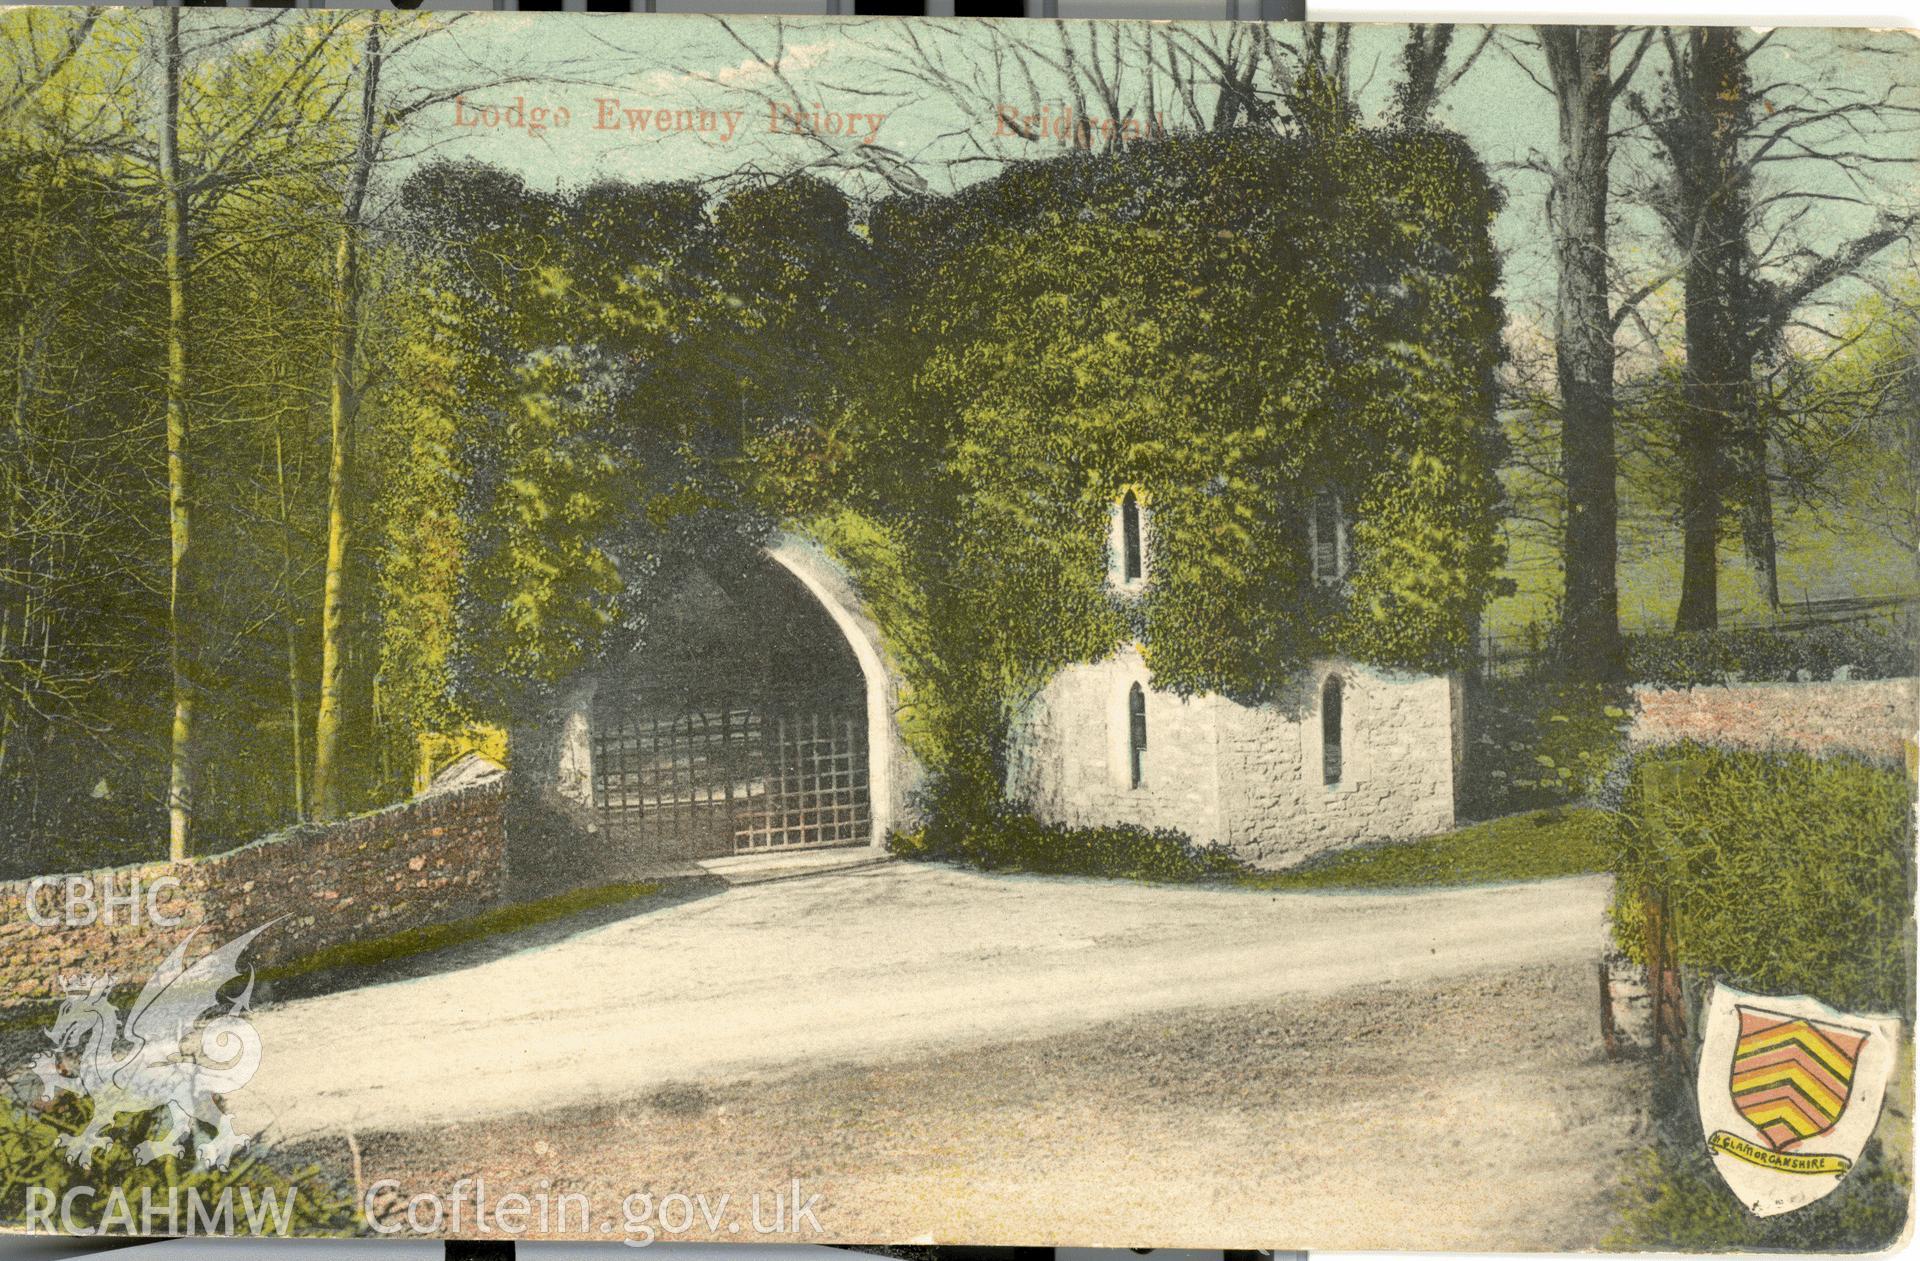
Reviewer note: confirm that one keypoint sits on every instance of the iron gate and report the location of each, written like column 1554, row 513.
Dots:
column 734, row 778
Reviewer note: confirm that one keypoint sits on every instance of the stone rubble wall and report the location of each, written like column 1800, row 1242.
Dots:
column 1872, row 717
column 436, row 858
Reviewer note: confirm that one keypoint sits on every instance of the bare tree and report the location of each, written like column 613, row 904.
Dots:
column 1426, row 74
column 1015, row 91
column 34, row 66
column 1719, row 127
column 1585, row 85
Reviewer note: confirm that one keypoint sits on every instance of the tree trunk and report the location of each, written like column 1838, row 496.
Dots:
column 1700, row 505
column 299, row 765
column 1422, row 60
column 1580, row 62
column 327, row 795
column 1911, row 433
column 178, row 248
column 1762, row 540
column 1724, row 450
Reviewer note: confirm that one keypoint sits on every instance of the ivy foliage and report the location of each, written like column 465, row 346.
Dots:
column 1226, row 326
column 1008, row 837
column 1541, row 741
column 590, row 389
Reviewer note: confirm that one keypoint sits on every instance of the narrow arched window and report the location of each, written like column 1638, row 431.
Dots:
column 1130, row 566
column 1328, row 527
column 1136, row 736
column 1332, row 702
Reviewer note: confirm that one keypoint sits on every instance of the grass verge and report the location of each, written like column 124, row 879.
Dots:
column 511, row 918
column 1535, row 846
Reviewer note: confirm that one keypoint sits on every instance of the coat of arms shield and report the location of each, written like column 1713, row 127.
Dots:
column 1790, row 1090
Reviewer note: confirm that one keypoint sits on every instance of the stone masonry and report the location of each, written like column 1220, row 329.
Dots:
column 1874, row 717
column 1247, row 777
column 433, row 859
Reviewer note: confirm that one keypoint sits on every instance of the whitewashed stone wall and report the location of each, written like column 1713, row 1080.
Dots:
column 1397, row 781
column 1248, row 777
column 1068, row 756
column 894, row 773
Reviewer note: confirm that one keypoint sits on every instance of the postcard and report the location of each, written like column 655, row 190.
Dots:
column 917, row 632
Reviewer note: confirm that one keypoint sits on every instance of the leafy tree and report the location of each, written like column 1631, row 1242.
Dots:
column 1845, row 423
column 118, row 180
column 79, row 542
column 383, row 50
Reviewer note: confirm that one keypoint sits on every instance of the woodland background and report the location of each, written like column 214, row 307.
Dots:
column 323, row 435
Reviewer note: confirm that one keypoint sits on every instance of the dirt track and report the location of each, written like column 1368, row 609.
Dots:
column 891, row 962
column 948, row 1056
column 1473, row 1113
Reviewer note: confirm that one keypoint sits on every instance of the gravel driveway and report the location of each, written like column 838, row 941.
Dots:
column 877, row 964
column 1470, row 1112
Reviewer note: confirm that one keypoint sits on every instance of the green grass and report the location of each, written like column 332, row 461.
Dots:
column 512, row 918
column 1535, row 846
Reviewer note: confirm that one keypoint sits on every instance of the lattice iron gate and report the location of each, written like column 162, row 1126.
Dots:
column 730, row 778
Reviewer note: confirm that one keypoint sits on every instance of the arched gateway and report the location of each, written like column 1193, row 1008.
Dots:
column 758, row 715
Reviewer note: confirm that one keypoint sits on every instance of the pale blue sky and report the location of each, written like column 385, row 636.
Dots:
column 850, row 71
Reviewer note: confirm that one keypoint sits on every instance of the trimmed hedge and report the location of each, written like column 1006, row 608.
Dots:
column 1784, row 873
column 1765, row 654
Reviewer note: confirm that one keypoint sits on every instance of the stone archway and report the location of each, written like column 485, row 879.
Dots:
column 894, row 771
column 762, row 714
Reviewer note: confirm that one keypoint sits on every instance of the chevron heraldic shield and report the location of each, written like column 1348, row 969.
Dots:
column 1790, row 1090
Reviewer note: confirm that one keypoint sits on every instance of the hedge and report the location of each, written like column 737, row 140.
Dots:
column 1764, row 654
column 1784, row 873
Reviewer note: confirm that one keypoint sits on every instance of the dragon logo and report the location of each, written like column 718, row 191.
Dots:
column 179, row 1048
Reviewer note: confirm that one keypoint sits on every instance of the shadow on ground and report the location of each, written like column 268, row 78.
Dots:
column 514, row 934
